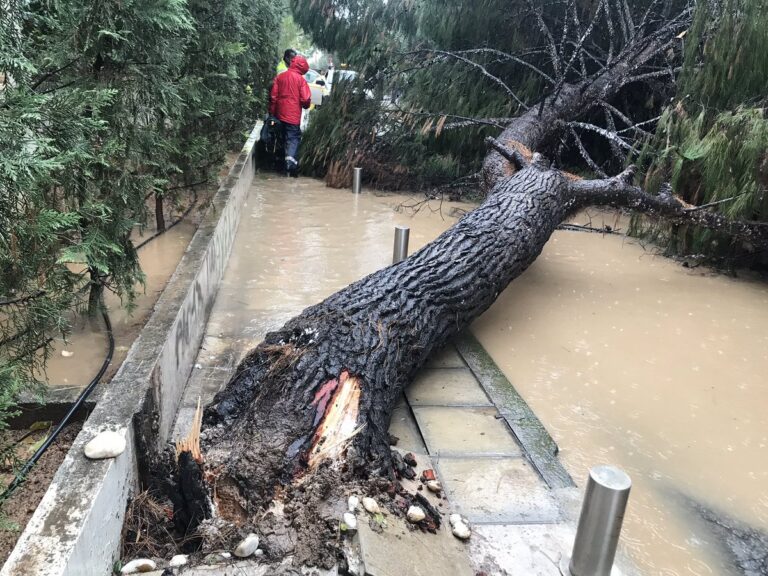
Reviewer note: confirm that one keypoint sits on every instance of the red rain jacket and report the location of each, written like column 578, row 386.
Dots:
column 290, row 92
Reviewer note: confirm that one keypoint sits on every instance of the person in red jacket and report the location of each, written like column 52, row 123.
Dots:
column 290, row 93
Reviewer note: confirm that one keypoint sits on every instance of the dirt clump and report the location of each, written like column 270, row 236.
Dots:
column 19, row 507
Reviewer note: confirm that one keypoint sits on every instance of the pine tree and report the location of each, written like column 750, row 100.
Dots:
column 48, row 141
column 460, row 71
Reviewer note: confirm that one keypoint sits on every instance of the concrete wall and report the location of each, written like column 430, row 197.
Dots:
column 75, row 531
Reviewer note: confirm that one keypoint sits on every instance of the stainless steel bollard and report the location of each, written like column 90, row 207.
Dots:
column 602, row 514
column 357, row 180
column 400, row 252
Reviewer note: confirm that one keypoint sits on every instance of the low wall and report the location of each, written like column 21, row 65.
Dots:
column 75, row 531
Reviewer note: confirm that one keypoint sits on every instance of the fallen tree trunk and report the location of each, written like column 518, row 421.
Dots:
column 311, row 405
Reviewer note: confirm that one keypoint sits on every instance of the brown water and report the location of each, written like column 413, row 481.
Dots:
column 299, row 242
column 87, row 343
column 631, row 359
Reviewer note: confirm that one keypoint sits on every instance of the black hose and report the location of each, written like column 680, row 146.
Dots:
column 21, row 475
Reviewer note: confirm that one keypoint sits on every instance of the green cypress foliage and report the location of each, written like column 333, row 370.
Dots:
column 103, row 104
column 712, row 142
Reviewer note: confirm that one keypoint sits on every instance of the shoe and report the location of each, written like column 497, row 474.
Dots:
column 294, row 173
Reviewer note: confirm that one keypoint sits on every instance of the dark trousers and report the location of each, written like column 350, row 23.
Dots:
column 292, row 139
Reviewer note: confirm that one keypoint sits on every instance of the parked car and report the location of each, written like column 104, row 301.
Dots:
column 317, row 86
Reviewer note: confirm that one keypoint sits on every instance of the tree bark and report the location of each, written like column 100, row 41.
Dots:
column 159, row 214
column 95, row 292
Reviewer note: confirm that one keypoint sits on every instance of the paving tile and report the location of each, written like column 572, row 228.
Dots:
column 498, row 490
column 464, row 431
column 533, row 550
column 400, row 551
column 404, row 427
column 446, row 387
column 448, row 357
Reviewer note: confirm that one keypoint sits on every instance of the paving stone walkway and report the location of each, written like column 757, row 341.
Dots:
column 488, row 475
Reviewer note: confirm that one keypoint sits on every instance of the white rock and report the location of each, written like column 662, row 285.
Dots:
column 352, row 503
column 225, row 555
column 138, row 565
column 454, row 518
column 178, row 560
column 461, row 531
column 248, row 546
column 67, row 353
column 107, row 444
column 371, row 506
column 434, row 486
column 350, row 520
column 415, row 514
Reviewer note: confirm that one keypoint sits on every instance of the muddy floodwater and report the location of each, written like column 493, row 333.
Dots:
column 630, row 359
column 86, row 347
column 299, row 242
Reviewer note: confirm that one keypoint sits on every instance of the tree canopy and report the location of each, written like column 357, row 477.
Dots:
column 102, row 105
column 711, row 142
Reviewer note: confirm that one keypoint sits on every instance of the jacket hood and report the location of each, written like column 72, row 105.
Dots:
column 300, row 64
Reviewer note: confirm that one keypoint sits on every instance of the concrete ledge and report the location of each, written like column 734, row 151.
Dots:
column 75, row 531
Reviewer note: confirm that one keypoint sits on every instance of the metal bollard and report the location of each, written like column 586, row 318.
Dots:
column 400, row 252
column 357, row 180
column 602, row 514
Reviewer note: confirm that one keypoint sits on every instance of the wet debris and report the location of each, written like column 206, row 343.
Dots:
column 371, row 506
column 178, row 560
column 393, row 440
column 434, row 486
column 216, row 558
column 349, row 523
column 247, row 546
column 427, row 475
column 403, row 469
column 107, row 444
column 459, row 527
column 352, row 503
column 139, row 565
column 415, row 514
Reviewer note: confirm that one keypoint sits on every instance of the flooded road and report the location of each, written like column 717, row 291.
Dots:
column 299, row 242
column 631, row 359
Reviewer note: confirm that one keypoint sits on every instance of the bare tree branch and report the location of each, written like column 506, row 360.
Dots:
column 619, row 192
column 506, row 56
column 511, row 154
column 585, row 155
column 483, row 70
column 656, row 74
column 548, row 34
column 612, row 136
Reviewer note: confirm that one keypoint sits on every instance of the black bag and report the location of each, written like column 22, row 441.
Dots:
column 270, row 132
